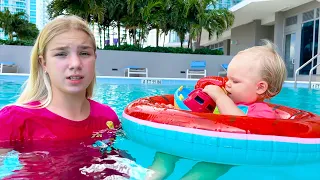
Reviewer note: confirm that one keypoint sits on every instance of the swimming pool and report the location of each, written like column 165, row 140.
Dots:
column 118, row 92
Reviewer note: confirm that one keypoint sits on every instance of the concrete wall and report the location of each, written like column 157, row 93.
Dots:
column 226, row 47
column 242, row 37
column 111, row 63
column 264, row 32
column 205, row 41
column 248, row 35
column 278, row 32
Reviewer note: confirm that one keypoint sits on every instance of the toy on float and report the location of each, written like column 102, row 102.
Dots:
column 199, row 101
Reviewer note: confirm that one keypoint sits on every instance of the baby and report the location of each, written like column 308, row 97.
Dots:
column 254, row 75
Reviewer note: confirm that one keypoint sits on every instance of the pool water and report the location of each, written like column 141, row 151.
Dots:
column 129, row 160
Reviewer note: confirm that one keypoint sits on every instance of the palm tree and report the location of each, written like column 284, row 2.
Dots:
column 27, row 31
column 152, row 13
column 106, row 23
column 182, row 16
column 117, row 10
column 134, row 20
column 179, row 19
column 10, row 22
column 86, row 9
column 212, row 20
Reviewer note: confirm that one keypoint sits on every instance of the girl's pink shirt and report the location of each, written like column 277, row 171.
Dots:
column 20, row 123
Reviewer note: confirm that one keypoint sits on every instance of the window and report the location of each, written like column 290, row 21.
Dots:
column 308, row 15
column 20, row 4
column 309, row 39
column 33, row 13
column 33, row 20
column 218, row 46
column 291, row 20
column 33, row 7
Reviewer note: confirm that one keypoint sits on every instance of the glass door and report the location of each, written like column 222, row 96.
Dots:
column 309, row 40
column 289, row 52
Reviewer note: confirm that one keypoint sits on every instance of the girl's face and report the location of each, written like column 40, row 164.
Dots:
column 70, row 62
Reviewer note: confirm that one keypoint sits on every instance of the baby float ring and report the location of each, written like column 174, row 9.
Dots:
column 170, row 125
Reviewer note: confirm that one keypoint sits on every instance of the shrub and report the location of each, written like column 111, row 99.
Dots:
column 17, row 42
column 178, row 50
column 208, row 51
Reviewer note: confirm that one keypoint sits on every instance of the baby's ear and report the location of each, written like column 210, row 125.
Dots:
column 262, row 87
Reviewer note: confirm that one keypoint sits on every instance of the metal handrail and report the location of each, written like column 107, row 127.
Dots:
column 310, row 73
column 303, row 65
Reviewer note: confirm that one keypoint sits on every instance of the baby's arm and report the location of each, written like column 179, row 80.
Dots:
column 225, row 104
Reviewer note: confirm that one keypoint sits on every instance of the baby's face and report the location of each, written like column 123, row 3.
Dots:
column 244, row 75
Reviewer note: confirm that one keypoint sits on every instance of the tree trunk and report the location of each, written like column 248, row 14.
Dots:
column 197, row 44
column 139, row 38
column 164, row 39
column 100, row 36
column 157, row 37
column 134, row 36
column 190, row 39
column 104, row 36
column 118, row 32
column 108, row 34
column 181, row 36
column 10, row 36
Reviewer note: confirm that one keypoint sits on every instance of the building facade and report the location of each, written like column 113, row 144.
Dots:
column 42, row 17
column 36, row 11
column 293, row 26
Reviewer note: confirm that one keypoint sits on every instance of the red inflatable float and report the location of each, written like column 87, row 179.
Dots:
column 157, row 117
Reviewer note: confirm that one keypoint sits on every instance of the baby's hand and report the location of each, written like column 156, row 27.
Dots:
column 214, row 91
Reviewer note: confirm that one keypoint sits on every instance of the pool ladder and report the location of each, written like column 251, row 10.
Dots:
column 310, row 72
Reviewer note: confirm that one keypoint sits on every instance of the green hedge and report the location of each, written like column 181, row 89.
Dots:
column 17, row 42
column 177, row 50
column 165, row 50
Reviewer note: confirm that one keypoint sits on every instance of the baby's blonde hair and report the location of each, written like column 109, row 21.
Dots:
column 273, row 68
column 37, row 87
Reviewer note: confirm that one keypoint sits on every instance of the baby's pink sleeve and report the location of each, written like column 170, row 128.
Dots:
column 261, row 110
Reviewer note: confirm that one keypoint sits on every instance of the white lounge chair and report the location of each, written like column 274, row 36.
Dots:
column 197, row 69
column 135, row 71
column 8, row 67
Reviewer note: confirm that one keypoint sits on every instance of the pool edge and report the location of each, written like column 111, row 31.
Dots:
column 159, row 80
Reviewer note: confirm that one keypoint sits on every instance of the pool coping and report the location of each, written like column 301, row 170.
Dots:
column 157, row 80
